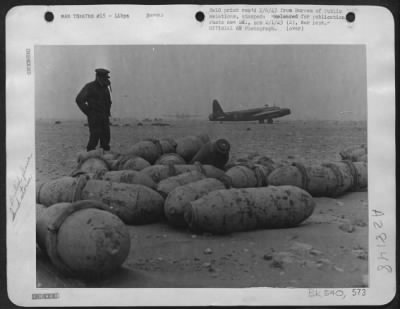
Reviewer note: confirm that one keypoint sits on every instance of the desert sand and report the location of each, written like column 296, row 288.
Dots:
column 329, row 249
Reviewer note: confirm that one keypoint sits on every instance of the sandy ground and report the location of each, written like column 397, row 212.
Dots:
column 330, row 249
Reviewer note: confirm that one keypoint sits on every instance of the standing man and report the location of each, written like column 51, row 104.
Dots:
column 94, row 101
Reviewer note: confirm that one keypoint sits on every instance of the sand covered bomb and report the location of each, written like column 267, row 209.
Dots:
column 167, row 185
column 214, row 153
column 130, row 162
column 64, row 189
column 128, row 176
column 150, row 150
column 242, row 177
column 168, row 145
column 355, row 153
column 159, row 172
column 132, row 203
column 206, row 169
column 180, row 197
column 82, row 239
column 92, row 166
column 170, row 158
column 236, row 210
column 188, row 146
column 328, row 179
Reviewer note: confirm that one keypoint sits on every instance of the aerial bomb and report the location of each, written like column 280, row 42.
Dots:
column 188, row 146
column 181, row 196
column 316, row 179
column 39, row 209
column 170, row 158
column 242, row 177
column 344, row 176
column 235, row 210
column 82, row 239
column 133, row 163
column 350, row 176
column 355, row 153
column 213, row 153
column 97, row 153
column 203, row 137
column 150, row 150
column 361, row 175
column 132, row 203
column 64, row 189
column 208, row 170
column 251, row 160
column 128, row 176
column 262, row 172
column 249, row 175
column 41, row 241
column 263, row 160
column 84, row 155
column 165, row 186
column 129, row 162
column 363, row 158
column 329, row 179
column 168, row 145
column 159, row 172
column 110, row 156
column 91, row 166
column 44, row 217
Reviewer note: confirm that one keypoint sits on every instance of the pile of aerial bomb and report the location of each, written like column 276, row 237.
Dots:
column 188, row 181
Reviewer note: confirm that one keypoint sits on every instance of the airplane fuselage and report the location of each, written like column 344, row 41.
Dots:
column 254, row 114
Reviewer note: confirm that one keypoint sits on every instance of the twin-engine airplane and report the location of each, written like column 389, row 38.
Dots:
column 253, row 114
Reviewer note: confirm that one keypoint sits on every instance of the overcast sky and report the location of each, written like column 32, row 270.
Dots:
column 314, row 81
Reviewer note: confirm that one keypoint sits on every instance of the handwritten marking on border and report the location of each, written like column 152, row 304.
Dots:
column 381, row 238
column 20, row 186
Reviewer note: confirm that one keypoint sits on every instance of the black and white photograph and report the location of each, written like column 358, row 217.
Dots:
column 193, row 167
column 221, row 166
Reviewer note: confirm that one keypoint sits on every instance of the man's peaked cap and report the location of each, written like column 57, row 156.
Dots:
column 101, row 71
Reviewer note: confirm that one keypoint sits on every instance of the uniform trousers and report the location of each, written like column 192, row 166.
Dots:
column 99, row 129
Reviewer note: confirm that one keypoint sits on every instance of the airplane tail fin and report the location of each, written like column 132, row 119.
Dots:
column 217, row 109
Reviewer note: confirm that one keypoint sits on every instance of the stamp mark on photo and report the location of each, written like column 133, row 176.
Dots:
column 28, row 61
column 45, row 295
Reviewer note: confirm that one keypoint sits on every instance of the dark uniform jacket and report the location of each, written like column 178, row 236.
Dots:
column 95, row 102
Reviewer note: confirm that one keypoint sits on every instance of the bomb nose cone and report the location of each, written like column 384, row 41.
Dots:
column 223, row 145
